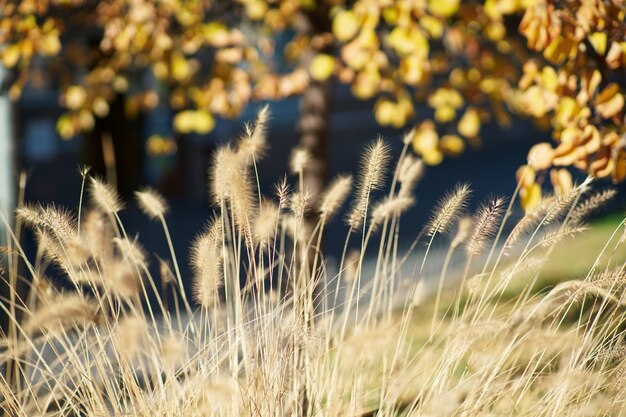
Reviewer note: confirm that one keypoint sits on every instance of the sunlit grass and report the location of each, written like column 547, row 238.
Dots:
column 523, row 318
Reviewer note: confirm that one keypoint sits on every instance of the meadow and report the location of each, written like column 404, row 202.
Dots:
column 505, row 327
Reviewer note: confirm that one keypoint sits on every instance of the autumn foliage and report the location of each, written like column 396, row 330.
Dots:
column 557, row 62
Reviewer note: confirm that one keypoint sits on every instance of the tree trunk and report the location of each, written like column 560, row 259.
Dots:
column 313, row 129
column 115, row 148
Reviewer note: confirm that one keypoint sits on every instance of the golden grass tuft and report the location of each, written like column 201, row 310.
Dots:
column 281, row 327
column 334, row 196
column 105, row 196
column 62, row 312
column 151, row 203
column 448, row 209
column 486, row 222
column 373, row 169
column 206, row 260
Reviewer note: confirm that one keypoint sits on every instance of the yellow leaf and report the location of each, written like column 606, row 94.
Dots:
column 619, row 173
column 598, row 41
column 383, row 112
column 180, row 67
column 588, row 85
column 50, row 45
column 530, row 197
column 184, row 122
column 540, row 156
column 560, row 49
column 444, row 8
column 366, row 84
column 452, row 145
column 425, row 138
column 256, row 9
column 538, row 101
column 86, row 120
column 445, row 113
column 609, row 102
column 160, row 70
column 10, row 55
column 614, row 58
column 322, row 67
column 412, row 69
column 100, row 107
column 432, row 25
column 432, row 157
column 549, row 78
column 561, row 181
column 525, row 176
column 408, row 41
column 216, row 34
column 65, row 127
column 203, row 122
column 75, row 97
column 567, row 109
column 345, row 25
column 120, row 84
column 391, row 14
column 469, row 125
column 495, row 31
column 399, row 117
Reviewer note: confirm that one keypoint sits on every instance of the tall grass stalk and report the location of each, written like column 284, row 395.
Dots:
column 281, row 328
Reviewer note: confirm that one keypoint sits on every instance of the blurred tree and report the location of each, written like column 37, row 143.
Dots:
column 554, row 61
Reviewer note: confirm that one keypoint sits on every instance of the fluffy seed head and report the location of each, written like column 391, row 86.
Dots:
column 465, row 224
column 592, row 203
column 394, row 206
column 206, row 261
column 131, row 250
column 96, row 232
column 281, row 189
column 561, row 233
column 83, row 170
column 173, row 350
column 486, row 222
column 105, row 196
column 165, row 271
column 374, row 164
column 122, row 279
column 335, row 196
column 226, row 165
column 231, row 183
column 299, row 160
column 243, row 203
column 407, row 138
column 254, row 142
column 266, row 222
column 448, row 209
column 60, row 223
column 562, row 205
column 372, row 177
column 300, row 203
column 63, row 312
column 129, row 337
column 411, row 172
column 528, row 222
column 30, row 215
column 151, row 203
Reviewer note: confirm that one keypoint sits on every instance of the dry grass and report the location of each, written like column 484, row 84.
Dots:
column 298, row 338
